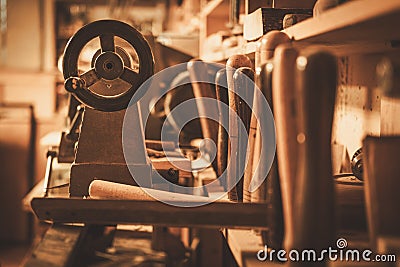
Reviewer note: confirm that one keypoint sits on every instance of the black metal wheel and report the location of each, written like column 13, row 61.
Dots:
column 109, row 64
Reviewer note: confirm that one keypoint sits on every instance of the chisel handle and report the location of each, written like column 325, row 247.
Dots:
column 198, row 71
column 234, row 62
column 314, row 199
column 223, row 119
column 243, row 80
column 286, row 117
column 264, row 53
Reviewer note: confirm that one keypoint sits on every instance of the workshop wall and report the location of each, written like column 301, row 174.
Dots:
column 27, row 75
column 27, row 71
column 361, row 109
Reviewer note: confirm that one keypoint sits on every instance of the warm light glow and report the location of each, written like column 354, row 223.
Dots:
column 301, row 138
column 301, row 63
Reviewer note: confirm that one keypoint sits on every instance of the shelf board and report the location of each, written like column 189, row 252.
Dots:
column 223, row 55
column 357, row 26
column 109, row 212
column 355, row 21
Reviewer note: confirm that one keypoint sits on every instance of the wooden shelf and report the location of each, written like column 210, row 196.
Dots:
column 355, row 21
column 357, row 25
column 109, row 212
column 223, row 55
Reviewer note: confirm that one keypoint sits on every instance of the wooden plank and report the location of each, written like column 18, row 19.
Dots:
column 243, row 244
column 110, row 212
column 36, row 191
column 56, row 247
column 183, row 164
column 266, row 19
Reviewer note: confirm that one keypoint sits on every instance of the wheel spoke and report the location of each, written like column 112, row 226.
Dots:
column 130, row 76
column 107, row 42
column 90, row 77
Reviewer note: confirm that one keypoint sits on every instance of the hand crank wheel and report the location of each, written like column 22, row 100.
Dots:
column 108, row 64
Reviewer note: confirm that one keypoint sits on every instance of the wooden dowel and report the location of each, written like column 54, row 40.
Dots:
column 100, row 189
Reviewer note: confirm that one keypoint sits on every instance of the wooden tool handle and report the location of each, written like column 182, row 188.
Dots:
column 198, row 71
column 264, row 52
column 266, row 47
column 234, row 62
column 243, row 81
column 286, row 116
column 269, row 191
column 261, row 195
column 223, row 113
column 314, row 209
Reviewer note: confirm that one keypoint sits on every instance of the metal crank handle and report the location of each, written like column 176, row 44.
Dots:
column 51, row 154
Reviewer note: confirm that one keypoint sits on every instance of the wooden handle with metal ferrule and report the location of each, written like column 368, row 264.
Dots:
column 234, row 62
column 286, row 116
column 222, row 98
column 314, row 200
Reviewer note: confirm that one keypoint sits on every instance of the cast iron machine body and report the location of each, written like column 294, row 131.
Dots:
column 107, row 90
